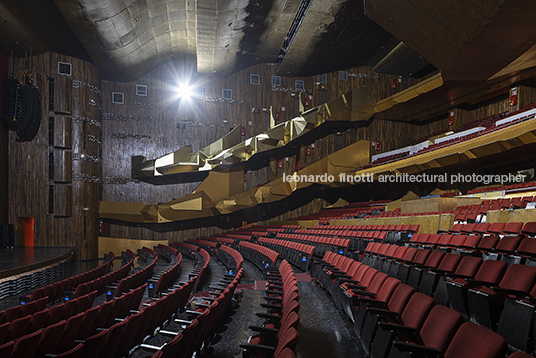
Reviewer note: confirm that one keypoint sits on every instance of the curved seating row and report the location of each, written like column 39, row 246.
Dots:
column 55, row 290
column 261, row 256
column 135, row 280
column 296, row 253
column 392, row 319
column 231, row 258
column 477, row 289
column 27, row 325
column 199, row 331
column 169, row 276
column 321, row 243
column 278, row 335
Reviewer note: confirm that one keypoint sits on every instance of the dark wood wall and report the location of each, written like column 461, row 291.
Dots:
column 3, row 146
column 55, row 178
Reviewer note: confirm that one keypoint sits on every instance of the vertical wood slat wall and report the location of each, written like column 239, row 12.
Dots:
column 74, row 188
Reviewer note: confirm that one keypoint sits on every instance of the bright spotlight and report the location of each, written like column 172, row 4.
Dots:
column 184, row 91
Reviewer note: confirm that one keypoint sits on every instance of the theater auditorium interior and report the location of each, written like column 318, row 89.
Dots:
column 267, row 178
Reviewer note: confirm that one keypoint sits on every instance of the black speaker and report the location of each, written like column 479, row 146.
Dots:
column 7, row 238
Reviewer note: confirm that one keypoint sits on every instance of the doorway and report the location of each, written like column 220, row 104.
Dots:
column 26, row 232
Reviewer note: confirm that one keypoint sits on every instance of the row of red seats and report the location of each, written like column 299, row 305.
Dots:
column 55, row 291
column 135, row 280
column 237, row 257
column 261, row 256
column 200, row 329
column 502, row 187
column 488, row 123
column 168, row 277
column 118, row 338
column 278, row 336
column 433, row 325
column 477, row 289
column 388, row 227
column 321, row 243
column 16, row 336
column 24, row 310
column 296, row 253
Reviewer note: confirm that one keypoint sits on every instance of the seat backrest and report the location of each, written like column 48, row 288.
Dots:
column 475, row 341
column 401, row 252
column 377, row 282
column 410, row 254
column 491, row 271
column 519, row 277
column 472, row 241
column 439, row 327
column 400, row 297
column 114, row 337
column 449, row 262
column 18, row 328
column 26, row 346
column 488, row 242
column 421, row 256
column 287, row 339
column 71, row 331
column 468, row 266
column 93, row 345
column 50, row 339
column 513, row 228
column 527, row 246
column 508, row 244
column 496, row 228
column 76, row 352
column 529, row 229
column 415, row 312
column 387, row 289
column 434, row 259
column 38, row 320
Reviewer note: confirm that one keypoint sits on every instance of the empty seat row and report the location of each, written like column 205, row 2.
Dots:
column 199, row 331
column 261, row 256
column 53, row 293
column 278, row 335
column 298, row 254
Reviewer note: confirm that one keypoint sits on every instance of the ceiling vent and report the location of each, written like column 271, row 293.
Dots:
column 255, row 79
column 64, row 68
column 141, row 90
column 227, row 94
column 118, row 97
column 201, row 91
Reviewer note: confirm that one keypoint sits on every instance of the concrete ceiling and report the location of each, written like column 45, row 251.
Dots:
column 127, row 38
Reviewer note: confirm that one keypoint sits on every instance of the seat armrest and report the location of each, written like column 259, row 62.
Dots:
column 258, row 348
column 272, row 307
column 384, row 313
column 408, row 331
column 506, row 291
column 270, row 331
column 268, row 316
column 416, row 348
column 364, row 293
column 373, row 303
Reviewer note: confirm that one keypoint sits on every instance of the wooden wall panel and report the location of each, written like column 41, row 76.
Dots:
column 63, row 166
column 28, row 161
column 63, row 200
column 63, row 129
column 4, row 168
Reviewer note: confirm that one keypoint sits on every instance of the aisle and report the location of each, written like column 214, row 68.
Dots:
column 324, row 329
